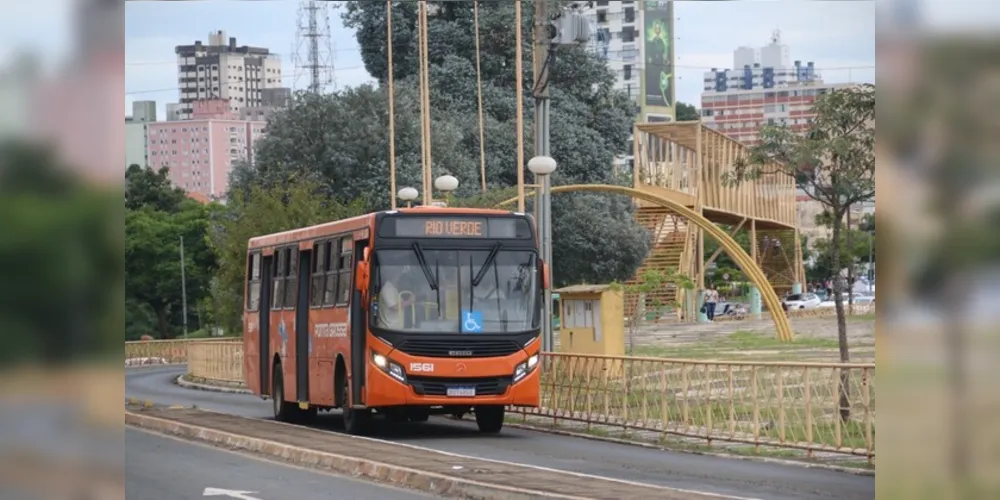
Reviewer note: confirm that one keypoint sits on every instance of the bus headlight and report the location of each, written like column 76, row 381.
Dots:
column 394, row 370
column 525, row 368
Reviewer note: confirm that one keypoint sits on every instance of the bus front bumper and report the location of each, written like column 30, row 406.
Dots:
column 385, row 390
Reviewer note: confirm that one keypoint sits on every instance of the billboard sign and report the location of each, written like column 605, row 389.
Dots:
column 658, row 48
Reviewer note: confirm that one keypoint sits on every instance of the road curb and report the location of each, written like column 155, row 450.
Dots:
column 182, row 381
column 437, row 484
column 776, row 461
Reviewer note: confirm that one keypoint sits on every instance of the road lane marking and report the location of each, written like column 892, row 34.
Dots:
column 238, row 494
column 511, row 464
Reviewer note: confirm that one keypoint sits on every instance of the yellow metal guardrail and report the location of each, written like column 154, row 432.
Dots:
column 143, row 352
column 788, row 405
column 817, row 407
column 216, row 361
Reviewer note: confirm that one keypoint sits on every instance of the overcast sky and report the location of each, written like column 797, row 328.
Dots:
column 833, row 34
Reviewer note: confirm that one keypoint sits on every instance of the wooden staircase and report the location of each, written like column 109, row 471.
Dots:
column 668, row 251
column 776, row 258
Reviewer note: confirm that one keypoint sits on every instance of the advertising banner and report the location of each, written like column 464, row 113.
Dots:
column 658, row 48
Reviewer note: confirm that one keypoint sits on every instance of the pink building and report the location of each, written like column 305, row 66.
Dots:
column 202, row 151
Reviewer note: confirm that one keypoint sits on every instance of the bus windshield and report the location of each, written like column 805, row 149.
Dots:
column 441, row 295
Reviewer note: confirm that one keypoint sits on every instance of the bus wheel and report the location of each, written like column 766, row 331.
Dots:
column 356, row 422
column 283, row 410
column 489, row 418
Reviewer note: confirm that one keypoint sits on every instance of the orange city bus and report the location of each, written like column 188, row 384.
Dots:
column 402, row 313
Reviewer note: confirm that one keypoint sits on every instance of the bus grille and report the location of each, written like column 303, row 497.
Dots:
column 459, row 348
column 437, row 386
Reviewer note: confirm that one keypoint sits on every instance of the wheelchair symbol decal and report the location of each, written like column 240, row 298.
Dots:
column 472, row 321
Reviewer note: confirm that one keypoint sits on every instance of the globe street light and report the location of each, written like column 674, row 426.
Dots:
column 446, row 183
column 543, row 166
column 408, row 194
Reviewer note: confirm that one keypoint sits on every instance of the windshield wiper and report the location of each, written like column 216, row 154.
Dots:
column 424, row 267
column 489, row 260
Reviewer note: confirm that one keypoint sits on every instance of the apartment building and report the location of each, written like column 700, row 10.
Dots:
column 223, row 70
column 764, row 88
column 137, row 133
column 615, row 37
column 202, row 151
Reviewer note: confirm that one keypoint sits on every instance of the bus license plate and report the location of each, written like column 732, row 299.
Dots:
column 461, row 392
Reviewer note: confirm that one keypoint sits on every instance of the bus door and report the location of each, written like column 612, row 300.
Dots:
column 359, row 327
column 264, row 324
column 302, row 326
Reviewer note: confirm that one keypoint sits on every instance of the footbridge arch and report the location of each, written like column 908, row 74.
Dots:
column 739, row 256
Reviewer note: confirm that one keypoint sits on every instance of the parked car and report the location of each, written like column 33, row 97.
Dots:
column 859, row 300
column 801, row 301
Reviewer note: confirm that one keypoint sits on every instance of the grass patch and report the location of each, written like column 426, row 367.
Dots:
column 684, row 444
column 738, row 341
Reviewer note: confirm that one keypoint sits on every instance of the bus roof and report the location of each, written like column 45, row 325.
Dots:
column 358, row 222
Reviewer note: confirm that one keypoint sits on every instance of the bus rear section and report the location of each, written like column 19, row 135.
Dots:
column 454, row 312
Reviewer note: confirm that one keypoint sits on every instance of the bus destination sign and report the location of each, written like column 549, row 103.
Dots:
column 455, row 227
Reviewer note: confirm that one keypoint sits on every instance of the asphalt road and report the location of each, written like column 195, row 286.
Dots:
column 158, row 468
column 724, row 476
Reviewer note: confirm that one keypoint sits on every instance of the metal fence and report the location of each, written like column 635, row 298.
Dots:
column 216, row 361
column 817, row 407
column 149, row 352
column 810, row 406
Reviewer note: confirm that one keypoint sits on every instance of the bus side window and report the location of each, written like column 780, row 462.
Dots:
column 330, row 287
column 292, row 277
column 280, row 271
column 318, row 274
column 253, row 276
column 344, row 270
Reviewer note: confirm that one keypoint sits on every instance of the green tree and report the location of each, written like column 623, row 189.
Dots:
column 835, row 159
column 650, row 281
column 687, row 112
column 153, row 265
column 261, row 210
column 147, row 187
column 341, row 141
column 61, row 259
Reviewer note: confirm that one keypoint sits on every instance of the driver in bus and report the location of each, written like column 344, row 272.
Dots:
column 390, row 304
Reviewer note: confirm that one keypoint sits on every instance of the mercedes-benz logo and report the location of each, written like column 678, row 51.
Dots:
column 460, row 368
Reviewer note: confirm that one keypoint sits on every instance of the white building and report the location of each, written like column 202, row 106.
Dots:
column 137, row 132
column 616, row 28
column 223, row 70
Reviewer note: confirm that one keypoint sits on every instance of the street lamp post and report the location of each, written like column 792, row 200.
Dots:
column 408, row 194
column 543, row 166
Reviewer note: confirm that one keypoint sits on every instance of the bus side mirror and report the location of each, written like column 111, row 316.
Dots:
column 361, row 278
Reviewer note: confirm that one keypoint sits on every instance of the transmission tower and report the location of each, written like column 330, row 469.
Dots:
column 313, row 54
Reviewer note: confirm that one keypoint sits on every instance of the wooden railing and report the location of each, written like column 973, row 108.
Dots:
column 817, row 407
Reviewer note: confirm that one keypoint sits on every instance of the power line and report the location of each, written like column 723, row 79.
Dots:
column 227, row 82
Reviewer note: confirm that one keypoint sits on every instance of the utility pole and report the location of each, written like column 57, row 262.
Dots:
column 184, row 301
column 543, row 213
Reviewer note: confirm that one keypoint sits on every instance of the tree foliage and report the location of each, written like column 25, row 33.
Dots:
column 153, row 263
column 61, row 259
column 340, row 142
column 687, row 112
column 261, row 210
column 145, row 187
column 835, row 161
column 650, row 281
